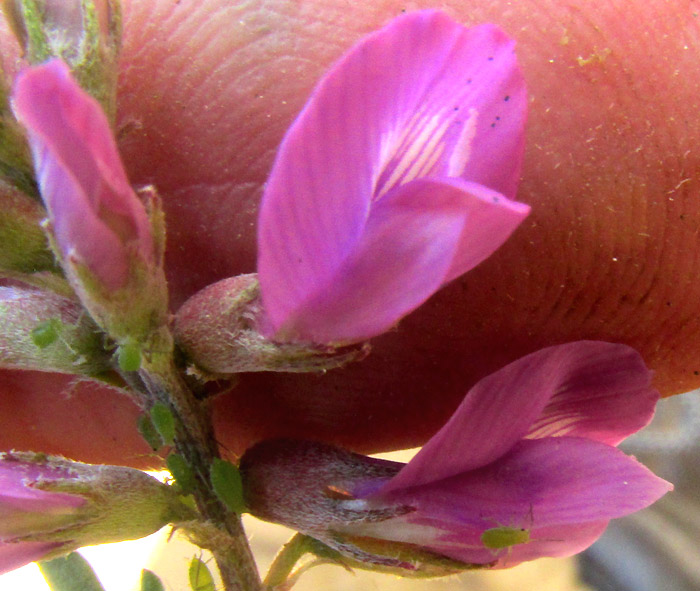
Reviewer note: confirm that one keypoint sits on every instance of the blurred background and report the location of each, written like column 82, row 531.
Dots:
column 655, row 549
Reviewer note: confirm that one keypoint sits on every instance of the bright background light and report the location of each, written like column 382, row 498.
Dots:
column 118, row 566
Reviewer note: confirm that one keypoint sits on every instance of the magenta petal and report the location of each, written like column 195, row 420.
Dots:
column 490, row 220
column 401, row 259
column 410, row 245
column 613, row 400
column 543, row 543
column 13, row 556
column 25, row 509
column 501, row 409
column 557, row 488
column 557, row 481
column 29, row 499
column 93, row 209
column 17, row 478
column 459, row 104
column 405, row 103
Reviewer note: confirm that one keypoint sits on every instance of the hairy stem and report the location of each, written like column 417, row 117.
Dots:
column 195, row 442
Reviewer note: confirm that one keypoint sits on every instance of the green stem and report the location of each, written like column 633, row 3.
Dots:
column 285, row 569
column 285, row 561
column 194, row 441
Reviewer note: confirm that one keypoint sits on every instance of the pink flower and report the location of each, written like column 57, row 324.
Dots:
column 97, row 219
column 50, row 506
column 396, row 178
column 26, row 511
column 526, row 467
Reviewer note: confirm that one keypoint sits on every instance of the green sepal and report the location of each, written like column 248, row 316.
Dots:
column 90, row 50
column 218, row 330
column 200, row 576
column 16, row 170
column 15, row 157
column 227, row 484
column 23, row 246
column 150, row 581
column 405, row 560
column 134, row 316
column 70, row 573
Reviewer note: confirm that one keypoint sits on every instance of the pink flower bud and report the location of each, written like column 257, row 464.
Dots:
column 50, row 506
column 97, row 219
column 109, row 247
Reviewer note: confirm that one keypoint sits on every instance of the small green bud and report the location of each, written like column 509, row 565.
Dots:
column 200, row 576
column 227, row 484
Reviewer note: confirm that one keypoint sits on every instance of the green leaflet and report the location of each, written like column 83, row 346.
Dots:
column 149, row 432
column 181, row 471
column 150, row 582
column 200, row 576
column 70, row 573
column 227, row 484
column 164, row 421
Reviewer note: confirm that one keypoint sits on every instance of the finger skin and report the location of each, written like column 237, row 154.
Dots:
column 207, row 89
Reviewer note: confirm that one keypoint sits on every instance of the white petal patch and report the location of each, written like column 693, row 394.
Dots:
column 398, row 529
column 417, row 150
column 463, row 146
column 355, row 505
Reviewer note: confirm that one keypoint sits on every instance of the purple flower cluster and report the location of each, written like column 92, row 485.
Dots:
column 398, row 176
